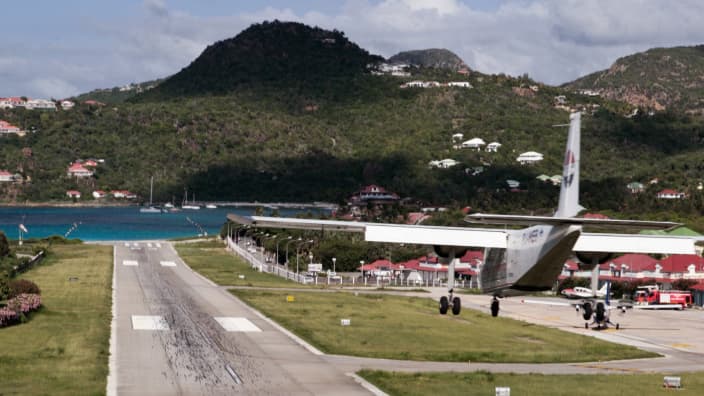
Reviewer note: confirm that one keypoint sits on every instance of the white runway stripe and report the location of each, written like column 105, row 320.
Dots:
column 147, row 322
column 131, row 263
column 167, row 263
column 237, row 324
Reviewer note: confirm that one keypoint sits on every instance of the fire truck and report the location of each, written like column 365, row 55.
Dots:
column 651, row 297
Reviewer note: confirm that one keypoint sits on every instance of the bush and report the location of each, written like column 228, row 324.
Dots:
column 18, row 307
column 22, row 286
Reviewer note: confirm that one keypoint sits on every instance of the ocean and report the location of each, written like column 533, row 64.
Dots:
column 118, row 223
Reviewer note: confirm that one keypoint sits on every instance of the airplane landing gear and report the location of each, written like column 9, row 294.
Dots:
column 444, row 305
column 495, row 307
column 447, row 302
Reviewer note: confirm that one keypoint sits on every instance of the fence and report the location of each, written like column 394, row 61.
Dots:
column 257, row 261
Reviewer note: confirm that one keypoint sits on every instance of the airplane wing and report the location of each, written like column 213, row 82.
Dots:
column 634, row 243
column 548, row 220
column 390, row 233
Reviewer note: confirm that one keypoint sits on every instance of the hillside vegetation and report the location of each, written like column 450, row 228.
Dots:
column 282, row 113
column 658, row 79
column 438, row 58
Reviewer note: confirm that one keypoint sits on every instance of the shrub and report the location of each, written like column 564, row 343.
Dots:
column 18, row 307
column 23, row 286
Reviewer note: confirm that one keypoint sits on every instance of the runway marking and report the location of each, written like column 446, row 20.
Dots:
column 149, row 244
column 237, row 324
column 149, row 322
column 127, row 244
column 683, row 346
column 158, row 245
column 167, row 263
column 130, row 263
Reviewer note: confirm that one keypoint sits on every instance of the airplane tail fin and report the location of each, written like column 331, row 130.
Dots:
column 569, row 190
column 604, row 289
column 607, row 298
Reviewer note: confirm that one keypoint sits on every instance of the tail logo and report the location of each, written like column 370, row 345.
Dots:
column 569, row 158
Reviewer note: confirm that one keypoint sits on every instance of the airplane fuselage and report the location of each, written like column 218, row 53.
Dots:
column 532, row 261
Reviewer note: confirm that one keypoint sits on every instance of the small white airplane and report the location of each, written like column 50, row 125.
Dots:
column 584, row 292
column 515, row 261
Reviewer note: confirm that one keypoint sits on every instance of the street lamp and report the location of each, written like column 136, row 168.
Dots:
column 277, row 248
column 293, row 240
column 237, row 232
column 298, row 248
column 333, row 265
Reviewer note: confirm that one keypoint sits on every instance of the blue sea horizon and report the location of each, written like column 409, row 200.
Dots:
column 124, row 223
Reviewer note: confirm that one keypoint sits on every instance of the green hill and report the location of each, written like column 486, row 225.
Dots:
column 658, row 79
column 430, row 58
column 117, row 94
column 271, row 54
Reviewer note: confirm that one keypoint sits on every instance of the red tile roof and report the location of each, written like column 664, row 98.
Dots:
column 636, row 263
column 681, row 263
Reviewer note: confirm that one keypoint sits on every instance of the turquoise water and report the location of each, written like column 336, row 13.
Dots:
column 116, row 223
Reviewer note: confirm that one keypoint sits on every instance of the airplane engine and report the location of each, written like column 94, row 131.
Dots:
column 444, row 252
column 588, row 260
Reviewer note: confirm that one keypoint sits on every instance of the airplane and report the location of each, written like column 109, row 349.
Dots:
column 591, row 308
column 516, row 261
column 583, row 292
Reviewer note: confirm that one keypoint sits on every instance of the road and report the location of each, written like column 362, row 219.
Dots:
column 168, row 342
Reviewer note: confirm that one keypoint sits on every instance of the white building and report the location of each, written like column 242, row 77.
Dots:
column 474, row 143
column 529, row 157
column 462, row 84
column 40, row 104
column 493, row 147
column 443, row 164
column 6, row 176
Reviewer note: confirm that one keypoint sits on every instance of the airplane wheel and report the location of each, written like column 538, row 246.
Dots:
column 456, row 306
column 586, row 325
column 587, row 308
column 600, row 312
column 444, row 305
column 617, row 326
column 495, row 308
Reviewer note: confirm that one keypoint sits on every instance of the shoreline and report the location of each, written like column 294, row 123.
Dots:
column 89, row 204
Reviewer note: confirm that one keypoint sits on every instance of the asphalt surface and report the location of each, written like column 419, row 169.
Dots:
column 193, row 354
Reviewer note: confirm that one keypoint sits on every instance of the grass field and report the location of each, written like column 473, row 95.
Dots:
column 483, row 383
column 409, row 328
column 211, row 260
column 63, row 349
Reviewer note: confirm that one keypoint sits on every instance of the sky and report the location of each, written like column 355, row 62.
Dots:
column 52, row 49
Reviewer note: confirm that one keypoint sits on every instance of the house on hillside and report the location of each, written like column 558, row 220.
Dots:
column 6, row 176
column 98, row 194
column 78, row 170
column 670, row 194
column 373, row 194
column 635, row 187
column 74, row 194
column 529, row 157
column 443, row 164
column 475, row 143
column 40, row 104
column 493, row 147
column 462, row 84
column 6, row 127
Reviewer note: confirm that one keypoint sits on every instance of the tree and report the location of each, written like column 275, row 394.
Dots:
column 4, row 245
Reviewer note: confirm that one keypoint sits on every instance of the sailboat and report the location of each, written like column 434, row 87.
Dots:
column 151, row 208
column 192, row 205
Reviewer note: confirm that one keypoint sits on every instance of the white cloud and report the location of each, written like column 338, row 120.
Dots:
column 52, row 87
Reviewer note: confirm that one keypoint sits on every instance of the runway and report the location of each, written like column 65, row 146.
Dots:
column 178, row 334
